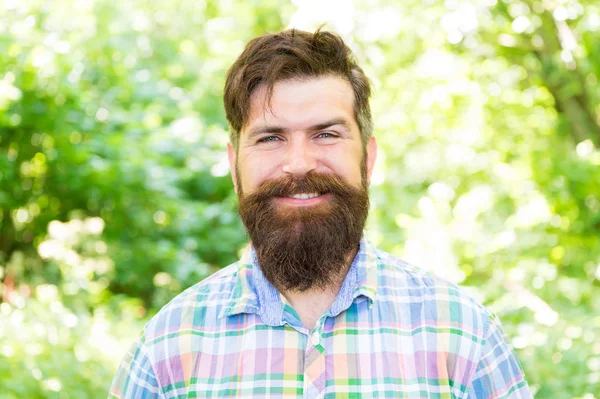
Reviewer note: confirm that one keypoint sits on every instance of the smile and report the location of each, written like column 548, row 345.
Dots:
column 303, row 199
column 304, row 196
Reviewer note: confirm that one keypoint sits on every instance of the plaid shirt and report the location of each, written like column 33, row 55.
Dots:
column 393, row 331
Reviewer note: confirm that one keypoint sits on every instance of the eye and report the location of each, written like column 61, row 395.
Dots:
column 268, row 139
column 326, row 135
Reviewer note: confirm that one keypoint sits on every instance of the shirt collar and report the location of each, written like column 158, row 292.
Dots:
column 253, row 293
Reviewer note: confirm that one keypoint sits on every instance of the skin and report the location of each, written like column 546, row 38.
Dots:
column 309, row 126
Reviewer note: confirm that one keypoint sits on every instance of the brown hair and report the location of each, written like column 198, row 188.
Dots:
column 293, row 54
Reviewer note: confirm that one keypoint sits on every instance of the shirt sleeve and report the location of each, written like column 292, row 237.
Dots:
column 135, row 378
column 498, row 374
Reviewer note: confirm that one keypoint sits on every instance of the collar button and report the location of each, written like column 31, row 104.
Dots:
column 315, row 338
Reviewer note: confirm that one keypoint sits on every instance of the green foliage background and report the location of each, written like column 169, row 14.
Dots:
column 115, row 193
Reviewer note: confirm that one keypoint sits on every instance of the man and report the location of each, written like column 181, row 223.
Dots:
column 312, row 309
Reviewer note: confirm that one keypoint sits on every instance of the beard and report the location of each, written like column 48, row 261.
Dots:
column 304, row 247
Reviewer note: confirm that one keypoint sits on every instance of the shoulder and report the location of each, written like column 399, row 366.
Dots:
column 434, row 299
column 440, row 317
column 203, row 301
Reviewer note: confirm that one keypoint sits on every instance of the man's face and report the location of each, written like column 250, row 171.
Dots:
column 309, row 127
column 301, row 174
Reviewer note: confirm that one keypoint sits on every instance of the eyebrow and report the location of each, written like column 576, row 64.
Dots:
column 319, row 126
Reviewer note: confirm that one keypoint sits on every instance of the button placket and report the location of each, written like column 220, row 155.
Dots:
column 314, row 372
column 315, row 338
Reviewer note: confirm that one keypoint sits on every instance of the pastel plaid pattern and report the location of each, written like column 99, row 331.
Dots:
column 394, row 331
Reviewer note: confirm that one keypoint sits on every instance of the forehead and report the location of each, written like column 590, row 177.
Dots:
column 300, row 103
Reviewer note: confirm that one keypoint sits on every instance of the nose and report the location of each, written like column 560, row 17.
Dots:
column 300, row 159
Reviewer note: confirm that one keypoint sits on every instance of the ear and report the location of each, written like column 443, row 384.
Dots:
column 231, row 157
column 371, row 156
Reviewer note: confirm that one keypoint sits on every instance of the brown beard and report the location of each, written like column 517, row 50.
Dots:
column 299, row 248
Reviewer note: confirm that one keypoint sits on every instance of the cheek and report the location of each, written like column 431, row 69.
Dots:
column 348, row 166
column 251, row 174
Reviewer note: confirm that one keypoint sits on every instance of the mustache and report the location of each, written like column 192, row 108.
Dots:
column 308, row 183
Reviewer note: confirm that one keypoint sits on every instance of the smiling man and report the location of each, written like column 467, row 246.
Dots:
column 312, row 309
column 301, row 172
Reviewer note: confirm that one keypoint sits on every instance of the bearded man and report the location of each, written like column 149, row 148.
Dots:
column 312, row 309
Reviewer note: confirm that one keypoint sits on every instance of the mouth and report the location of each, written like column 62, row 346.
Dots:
column 304, row 196
column 303, row 199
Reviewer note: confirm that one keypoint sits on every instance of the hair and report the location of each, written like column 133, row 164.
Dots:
column 287, row 55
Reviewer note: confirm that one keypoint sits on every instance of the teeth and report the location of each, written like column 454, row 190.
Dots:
column 305, row 196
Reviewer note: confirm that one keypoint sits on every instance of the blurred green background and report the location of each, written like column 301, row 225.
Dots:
column 115, row 193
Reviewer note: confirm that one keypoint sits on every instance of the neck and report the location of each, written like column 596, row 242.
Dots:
column 311, row 304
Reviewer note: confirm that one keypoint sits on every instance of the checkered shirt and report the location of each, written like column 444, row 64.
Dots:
column 393, row 331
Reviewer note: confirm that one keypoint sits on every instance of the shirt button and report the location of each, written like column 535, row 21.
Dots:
column 315, row 338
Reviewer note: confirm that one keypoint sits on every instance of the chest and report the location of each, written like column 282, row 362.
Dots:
column 351, row 355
